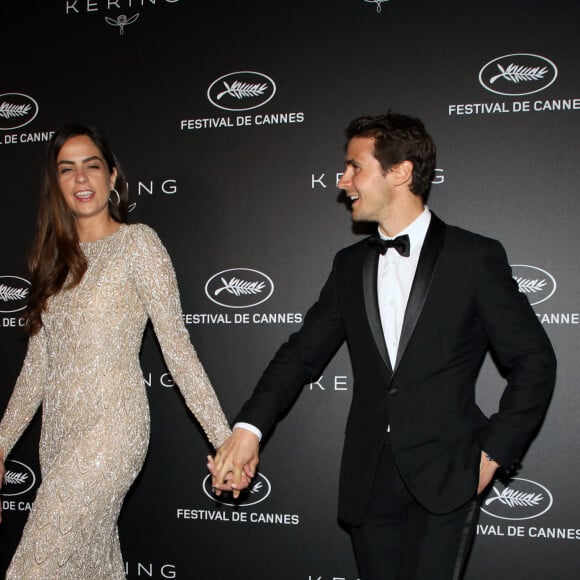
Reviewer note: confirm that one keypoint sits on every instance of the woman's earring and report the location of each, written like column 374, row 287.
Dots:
column 118, row 197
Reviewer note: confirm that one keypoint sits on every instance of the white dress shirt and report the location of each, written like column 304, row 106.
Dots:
column 394, row 279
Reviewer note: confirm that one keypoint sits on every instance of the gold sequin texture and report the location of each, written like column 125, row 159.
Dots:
column 83, row 367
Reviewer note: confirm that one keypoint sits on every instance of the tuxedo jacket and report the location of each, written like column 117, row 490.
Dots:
column 463, row 303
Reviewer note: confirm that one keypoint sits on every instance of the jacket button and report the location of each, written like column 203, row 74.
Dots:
column 393, row 392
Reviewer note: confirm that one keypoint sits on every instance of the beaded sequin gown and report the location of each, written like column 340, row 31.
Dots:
column 83, row 367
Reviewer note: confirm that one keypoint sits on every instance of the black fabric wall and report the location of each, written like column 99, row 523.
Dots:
column 228, row 119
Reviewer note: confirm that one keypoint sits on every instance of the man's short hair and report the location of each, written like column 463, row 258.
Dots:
column 400, row 138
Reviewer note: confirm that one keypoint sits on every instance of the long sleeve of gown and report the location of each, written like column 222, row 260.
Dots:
column 157, row 287
column 28, row 393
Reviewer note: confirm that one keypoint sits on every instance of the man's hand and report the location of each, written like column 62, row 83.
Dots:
column 228, row 483
column 487, row 470
column 235, row 462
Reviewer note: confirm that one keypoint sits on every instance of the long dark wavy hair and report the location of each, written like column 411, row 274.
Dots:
column 56, row 261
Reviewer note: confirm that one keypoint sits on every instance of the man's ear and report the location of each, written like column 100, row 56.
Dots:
column 403, row 172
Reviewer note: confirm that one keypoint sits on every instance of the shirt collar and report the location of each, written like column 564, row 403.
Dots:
column 416, row 230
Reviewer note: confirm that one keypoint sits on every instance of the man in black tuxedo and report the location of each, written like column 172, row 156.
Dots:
column 419, row 305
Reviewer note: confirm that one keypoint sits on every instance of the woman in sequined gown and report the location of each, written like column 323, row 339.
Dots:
column 95, row 282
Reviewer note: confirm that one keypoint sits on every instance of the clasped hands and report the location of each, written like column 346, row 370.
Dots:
column 235, row 462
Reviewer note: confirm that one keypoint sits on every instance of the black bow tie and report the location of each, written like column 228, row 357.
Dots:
column 401, row 243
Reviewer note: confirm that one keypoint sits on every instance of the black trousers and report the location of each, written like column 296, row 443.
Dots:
column 401, row 540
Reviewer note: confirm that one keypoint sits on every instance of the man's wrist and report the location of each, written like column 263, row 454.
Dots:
column 249, row 427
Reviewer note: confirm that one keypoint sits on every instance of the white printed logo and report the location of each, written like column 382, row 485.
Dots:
column 536, row 283
column 13, row 294
column 241, row 91
column 18, row 479
column 378, row 3
column 239, row 288
column 257, row 492
column 16, row 110
column 518, row 74
column 121, row 21
column 520, row 499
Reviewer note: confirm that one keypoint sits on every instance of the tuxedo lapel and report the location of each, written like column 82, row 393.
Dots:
column 370, row 269
column 421, row 282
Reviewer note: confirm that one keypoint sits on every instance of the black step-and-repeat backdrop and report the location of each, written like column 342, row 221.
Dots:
column 228, row 120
